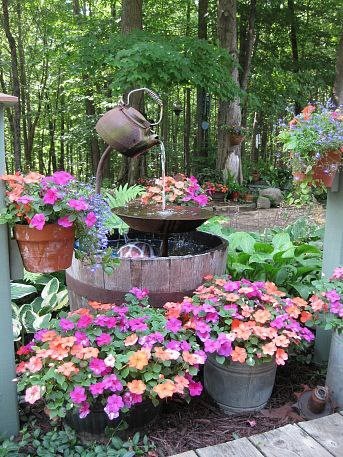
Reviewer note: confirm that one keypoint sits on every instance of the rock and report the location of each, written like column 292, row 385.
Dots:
column 136, row 250
column 274, row 194
column 263, row 203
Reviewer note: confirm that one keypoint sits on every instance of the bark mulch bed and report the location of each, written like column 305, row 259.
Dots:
column 182, row 427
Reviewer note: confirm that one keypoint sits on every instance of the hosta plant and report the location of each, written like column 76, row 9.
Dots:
column 242, row 321
column 117, row 356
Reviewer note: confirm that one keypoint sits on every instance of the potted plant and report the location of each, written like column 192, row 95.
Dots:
column 234, row 189
column 236, row 134
column 325, row 310
column 47, row 213
column 179, row 190
column 217, row 191
column 99, row 363
column 314, row 141
column 247, row 329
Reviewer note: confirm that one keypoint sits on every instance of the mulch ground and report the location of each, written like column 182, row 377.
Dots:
column 182, row 427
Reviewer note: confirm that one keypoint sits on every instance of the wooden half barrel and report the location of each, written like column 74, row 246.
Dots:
column 166, row 278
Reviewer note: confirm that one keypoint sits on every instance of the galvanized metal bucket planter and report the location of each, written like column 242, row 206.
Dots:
column 334, row 378
column 237, row 387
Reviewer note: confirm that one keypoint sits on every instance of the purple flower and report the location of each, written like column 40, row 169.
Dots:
column 78, row 204
column 64, row 221
column 24, row 199
column 97, row 366
column 84, row 410
column 140, row 294
column 111, row 382
column 185, row 346
column 66, row 324
column 51, row 196
column 103, row 339
column 131, row 399
column 61, row 178
column 137, row 324
column 231, row 286
column 211, row 346
column 90, row 219
column 78, row 394
column 174, row 325
column 337, row 308
column 81, row 338
column 332, row 295
column 84, row 321
column 195, row 388
column 173, row 345
column 114, row 403
column 38, row 221
column 96, row 389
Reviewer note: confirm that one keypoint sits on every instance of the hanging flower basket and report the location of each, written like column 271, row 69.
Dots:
column 324, row 171
column 46, row 250
column 236, row 139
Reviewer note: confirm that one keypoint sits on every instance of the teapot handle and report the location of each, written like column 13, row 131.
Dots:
column 154, row 96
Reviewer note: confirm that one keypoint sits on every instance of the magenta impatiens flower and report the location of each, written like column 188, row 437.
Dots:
column 195, row 388
column 78, row 394
column 97, row 388
column 139, row 293
column 51, row 196
column 38, row 221
column 103, row 339
column 98, row 366
column 174, row 325
column 66, row 324
column 65, row 222
column 114, row 404
column 78, row 204
column 62, row 177
column 90, row 219
column 84, row 410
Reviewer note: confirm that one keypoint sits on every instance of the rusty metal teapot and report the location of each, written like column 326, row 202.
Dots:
column 126, row 130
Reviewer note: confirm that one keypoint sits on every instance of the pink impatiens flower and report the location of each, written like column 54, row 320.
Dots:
column 78, row 394
column 65, row 222
column 78, row 204
column 51, row 196
column 97, row 366
column 103, row 339
column 38, row 221
column 24, row 199
column 90, row 219
column 62, row 177
column 32, row 394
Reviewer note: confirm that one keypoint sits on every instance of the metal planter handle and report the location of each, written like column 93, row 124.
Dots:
column 153, row 95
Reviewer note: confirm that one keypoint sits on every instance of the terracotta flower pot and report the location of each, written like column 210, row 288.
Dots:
column 299, row 176
column 234, row 196
column 325, row 170
column 248, row 198
column 236, row 139
column 46, row 250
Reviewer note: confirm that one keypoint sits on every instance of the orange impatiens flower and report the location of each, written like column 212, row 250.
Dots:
column 262, row 316
column 131, row 340
column 299, row 301
column 90, row 352
column 307, row 111
column 281, row 356
column 293, row 311
column 33, row 177
column 269, row 348
column 239, row 354
column 305, row 316
column 34, row 364
column 67, row 369
column 317, row 304
column 281, row 340
column 100, row 306
column 243, row 331
column 139, row 360
column 271, row 288
column 136, row 387
column 180, row 384
column 48, row 335
column 165, row 390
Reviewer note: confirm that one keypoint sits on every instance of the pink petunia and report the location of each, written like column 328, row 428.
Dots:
column 38, row 221
column 61, row 177
column 65, row 222
column 32, row 394
column 90, row 219
column 51, row 196
column 78, row 204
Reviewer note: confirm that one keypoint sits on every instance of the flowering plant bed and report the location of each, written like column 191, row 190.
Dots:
column 179, row 190
column 314, row 139
column 243, row 321
column 119, row 357
column 35, row 201
column 211, row 187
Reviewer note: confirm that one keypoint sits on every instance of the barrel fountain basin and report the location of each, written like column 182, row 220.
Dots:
column 192, row 256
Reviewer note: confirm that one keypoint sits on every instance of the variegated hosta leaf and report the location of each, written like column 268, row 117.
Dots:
column 51, row 288
column 19, row 290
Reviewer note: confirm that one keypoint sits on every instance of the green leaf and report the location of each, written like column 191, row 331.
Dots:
column 51, row 288
column 243, row 241
column 282, row 241
column 19, row 290
column 41, row 322
column 220, row 359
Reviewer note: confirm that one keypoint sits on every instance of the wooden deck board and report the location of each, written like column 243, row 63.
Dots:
column 237, row 448
column 327, row 431
column 288, row 441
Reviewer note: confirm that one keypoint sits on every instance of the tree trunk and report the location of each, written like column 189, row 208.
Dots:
column 187, row 131
column 229, row 113
column 132, row 19
column 338, row 86
column 294, row 46
column 202, row 112
column 15, row 85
